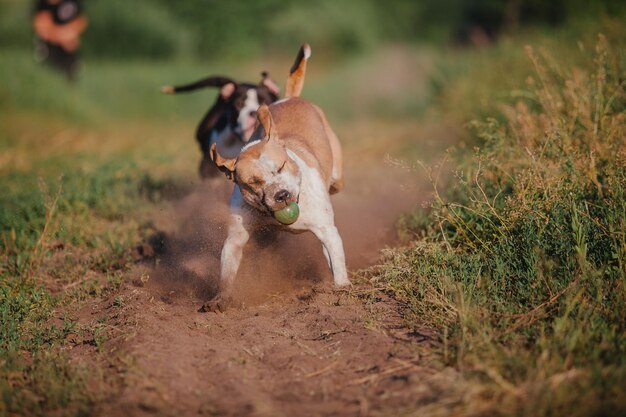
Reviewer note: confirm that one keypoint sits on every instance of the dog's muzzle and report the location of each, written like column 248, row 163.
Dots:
column 282, row 196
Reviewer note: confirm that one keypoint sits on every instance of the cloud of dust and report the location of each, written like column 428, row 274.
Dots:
column 276, row 263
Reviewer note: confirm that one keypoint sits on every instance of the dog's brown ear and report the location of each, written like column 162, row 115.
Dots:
column 226, row 165
column 268, row 82
column 265, row 118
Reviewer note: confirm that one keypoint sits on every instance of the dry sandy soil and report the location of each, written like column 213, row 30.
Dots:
column 296, row 346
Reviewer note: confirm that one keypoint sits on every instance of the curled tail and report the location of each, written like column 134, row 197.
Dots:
column 295, row 82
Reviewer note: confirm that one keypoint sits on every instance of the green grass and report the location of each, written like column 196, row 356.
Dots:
column 62, row 242
column 521, row 261
column 81, row 168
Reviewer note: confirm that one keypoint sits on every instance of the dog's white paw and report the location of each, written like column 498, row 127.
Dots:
column 342, row 282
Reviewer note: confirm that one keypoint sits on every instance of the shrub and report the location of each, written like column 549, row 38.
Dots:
column 524, row 262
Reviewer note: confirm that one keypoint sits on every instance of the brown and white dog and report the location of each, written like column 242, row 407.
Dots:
column 229, row 123
column 293, row 155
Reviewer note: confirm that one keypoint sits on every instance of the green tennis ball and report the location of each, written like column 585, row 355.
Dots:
column 289, row 214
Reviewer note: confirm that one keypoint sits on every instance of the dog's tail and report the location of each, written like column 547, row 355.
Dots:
column 295, row 82
column 214, row 81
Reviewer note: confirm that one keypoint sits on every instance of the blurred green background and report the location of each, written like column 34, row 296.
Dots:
column 212, row 29
column 389, row 57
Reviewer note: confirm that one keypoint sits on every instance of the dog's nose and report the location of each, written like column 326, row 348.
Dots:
column 282, row 195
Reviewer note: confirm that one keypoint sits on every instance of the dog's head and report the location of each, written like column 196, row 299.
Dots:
column 236, row 104
column 244, row 99
column 268, row 177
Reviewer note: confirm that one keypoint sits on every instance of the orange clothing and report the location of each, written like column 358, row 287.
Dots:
column 60, row 23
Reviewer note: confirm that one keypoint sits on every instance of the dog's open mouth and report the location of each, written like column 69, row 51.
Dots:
column 271, row 210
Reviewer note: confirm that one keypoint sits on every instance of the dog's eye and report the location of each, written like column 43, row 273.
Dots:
column 281, row 167
column 256, row 181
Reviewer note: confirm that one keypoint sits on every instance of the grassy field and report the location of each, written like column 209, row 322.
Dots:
column 520, row 263
column 521, row 260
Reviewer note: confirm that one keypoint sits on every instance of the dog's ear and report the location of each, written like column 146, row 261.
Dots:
column 269, row 83
column 265, row 118
column 226, row 165
column 227, row 90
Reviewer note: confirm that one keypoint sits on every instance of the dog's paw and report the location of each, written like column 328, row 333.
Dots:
column 343, row 283
column 214, row 306
column 218, row 304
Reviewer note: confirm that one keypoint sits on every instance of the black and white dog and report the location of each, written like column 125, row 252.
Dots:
column 229, row 123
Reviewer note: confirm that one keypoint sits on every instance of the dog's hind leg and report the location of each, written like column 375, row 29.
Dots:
column 336, row 184
column 336, row 176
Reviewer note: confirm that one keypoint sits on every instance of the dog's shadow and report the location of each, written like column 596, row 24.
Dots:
column 186, row 258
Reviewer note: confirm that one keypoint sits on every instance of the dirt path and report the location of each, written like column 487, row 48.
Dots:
column 297, row 346
column 316, row 353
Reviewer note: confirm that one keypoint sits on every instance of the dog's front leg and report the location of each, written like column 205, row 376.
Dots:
column 333, row 249
column 232, row 251
column 230, row 260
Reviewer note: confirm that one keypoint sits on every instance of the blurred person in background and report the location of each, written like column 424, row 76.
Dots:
column 58, row 25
